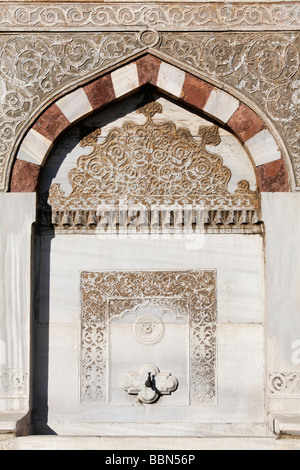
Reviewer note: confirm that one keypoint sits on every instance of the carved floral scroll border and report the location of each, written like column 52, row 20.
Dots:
column 34, row 68
column 166, row 16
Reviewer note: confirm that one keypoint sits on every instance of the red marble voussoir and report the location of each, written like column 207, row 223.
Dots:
column 273, row 177
column 25, row 177
column 51, row 123
column 148, row 69
column 245, row 123
column 100, row 92
column 195, row 91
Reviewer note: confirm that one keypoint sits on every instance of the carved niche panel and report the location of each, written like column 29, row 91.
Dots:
column 153, row 311
column 150, row 164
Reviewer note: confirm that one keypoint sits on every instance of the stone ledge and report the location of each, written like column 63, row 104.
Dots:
column 9, row 421
column 7, row 441
column 152, row 443
column 14, row 423
column 286, row 425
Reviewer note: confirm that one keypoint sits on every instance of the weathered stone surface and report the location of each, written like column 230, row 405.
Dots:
column 273, row 177
column 51, row 63
column 196, row 91
column 100, row 92
column 25, row 177
column 148, row 68
column 51, row 123
column 245, row 123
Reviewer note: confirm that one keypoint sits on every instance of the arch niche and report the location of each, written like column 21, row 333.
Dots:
column 189, row 306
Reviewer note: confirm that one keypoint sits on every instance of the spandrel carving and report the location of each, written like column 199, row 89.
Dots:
column 168, row 15
column 34, row 68
column 263, row 67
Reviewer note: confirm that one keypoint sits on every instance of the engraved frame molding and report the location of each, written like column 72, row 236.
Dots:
column 181, row 16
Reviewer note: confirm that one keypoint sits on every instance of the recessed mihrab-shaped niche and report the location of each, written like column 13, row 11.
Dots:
column 152, row 162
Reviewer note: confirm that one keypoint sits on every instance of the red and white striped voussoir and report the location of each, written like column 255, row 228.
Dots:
column 271, row 170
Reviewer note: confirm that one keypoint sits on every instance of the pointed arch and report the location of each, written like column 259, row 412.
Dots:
column 240, row 119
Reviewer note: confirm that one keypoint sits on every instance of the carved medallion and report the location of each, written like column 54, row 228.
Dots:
column 148, row 330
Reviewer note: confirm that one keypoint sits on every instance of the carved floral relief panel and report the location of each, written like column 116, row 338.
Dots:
column 13, row 382
column 35, row 68
column 149, row 161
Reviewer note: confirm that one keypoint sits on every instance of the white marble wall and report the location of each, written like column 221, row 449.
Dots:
column 258, row 300
column 17, row 213
column 238, row 260
column 281, row 213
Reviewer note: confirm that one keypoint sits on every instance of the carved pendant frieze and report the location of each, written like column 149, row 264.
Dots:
column 186, row 298
column 149, row 383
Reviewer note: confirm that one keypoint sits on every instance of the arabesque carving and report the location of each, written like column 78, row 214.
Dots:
column 284, row 384
column 153, row 164
column 168, row 15
column 13, row 382
column 263, row 67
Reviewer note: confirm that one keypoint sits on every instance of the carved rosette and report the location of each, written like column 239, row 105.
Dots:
column 148, row 330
